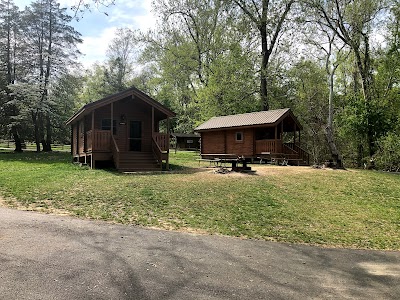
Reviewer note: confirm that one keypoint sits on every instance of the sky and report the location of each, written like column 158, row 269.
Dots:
column 98, row 26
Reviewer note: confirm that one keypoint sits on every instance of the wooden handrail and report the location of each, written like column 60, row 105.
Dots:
column 157, row 151
column 115, row 143
column 115, row 151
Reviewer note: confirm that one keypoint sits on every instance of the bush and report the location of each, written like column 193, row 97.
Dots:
column 388, row 156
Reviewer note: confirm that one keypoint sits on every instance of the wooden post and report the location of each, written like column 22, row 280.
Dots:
column 92, row 130
column 276, row 139
column 225, row 143
column 152, row 121
column 92, row 163
column 294, row 134
column 78, row 138
column 167, row 161
column 282, row 136
column 112, row 118
column 84, row 135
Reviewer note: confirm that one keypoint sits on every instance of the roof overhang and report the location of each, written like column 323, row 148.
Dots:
column 131, row 92
column 285, row 113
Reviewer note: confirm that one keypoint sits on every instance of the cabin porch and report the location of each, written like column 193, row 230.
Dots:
column 280, row 152
column 101, row 145
column 124, row 129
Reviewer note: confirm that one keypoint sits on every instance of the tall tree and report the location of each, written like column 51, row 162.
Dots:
column 121, row 55
column 352, row 21
column 269, row 18
column 9, row 28
column 50, row 44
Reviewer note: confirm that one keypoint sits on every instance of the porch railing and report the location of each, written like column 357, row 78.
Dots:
column 162, row 140
column 98, row 140
column 273, row 146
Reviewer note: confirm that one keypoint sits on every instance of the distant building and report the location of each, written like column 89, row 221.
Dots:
column 186, row 141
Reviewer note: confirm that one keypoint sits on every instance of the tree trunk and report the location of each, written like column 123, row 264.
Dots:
column 17, row 141
column 336, row 157
column 36, row 130
column 264, row 64
column 48, row 141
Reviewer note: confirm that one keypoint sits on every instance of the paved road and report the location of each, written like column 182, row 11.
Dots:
column 57, row 257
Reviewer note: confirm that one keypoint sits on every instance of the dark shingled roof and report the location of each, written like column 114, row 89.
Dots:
column 248, row 119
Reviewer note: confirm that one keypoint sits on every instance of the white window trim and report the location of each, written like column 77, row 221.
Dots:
column 236, row 136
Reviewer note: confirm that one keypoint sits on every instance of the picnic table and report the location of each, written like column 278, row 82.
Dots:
column 219, row 160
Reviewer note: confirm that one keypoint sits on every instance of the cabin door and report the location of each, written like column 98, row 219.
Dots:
column 135, row 136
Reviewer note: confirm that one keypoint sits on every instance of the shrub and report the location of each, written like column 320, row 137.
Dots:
column 388, row 156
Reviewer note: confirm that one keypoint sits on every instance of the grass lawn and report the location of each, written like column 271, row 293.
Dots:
column 353, row 208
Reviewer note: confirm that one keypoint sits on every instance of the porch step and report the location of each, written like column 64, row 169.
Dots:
column 138, row 161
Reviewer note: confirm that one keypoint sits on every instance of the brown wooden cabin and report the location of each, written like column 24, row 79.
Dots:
column 271, row 135
column 186, row 141
column 122, row 128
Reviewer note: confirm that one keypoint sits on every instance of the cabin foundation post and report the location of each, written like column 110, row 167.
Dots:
column 112, row 118
column 167, row 160
column 152, row 121
column 92, row 138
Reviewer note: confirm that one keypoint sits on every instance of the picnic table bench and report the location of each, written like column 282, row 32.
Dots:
column 220, row 159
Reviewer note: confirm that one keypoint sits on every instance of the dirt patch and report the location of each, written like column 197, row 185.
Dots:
column 13, row 203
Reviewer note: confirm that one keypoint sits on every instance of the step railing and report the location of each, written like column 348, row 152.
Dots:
column 115, row 151
column 293, row 148
column 162, row 140
column 157, row 151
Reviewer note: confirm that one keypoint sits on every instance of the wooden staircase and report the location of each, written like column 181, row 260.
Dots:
column 138, row 162
column 295, row 155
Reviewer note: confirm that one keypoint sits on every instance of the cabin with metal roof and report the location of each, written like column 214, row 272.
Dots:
column 273, row 135
column 123, row 128
column 185, row 141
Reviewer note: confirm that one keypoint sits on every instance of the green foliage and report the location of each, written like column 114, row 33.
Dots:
column 388, row 156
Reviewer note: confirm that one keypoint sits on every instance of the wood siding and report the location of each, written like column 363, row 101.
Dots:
column 74, row 141
column 81, row 137
column 213, row 142
column 240, row 148
column 224, row 142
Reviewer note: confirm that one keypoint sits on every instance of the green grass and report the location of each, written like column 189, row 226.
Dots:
column 353, row 208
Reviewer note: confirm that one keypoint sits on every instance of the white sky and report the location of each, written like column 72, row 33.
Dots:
column 98, row 29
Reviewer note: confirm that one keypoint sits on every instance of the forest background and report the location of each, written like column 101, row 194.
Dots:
column 336, row 64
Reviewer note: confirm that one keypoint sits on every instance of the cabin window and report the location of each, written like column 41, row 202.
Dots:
column 239, row 136
column 106, row 125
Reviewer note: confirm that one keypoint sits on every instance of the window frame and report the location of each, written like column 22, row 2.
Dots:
column 108, row 126
column 241, row 136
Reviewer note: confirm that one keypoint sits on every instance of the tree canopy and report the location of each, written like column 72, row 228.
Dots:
column 334, row 63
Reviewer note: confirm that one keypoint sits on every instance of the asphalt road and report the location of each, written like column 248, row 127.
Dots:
column 58, row 257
